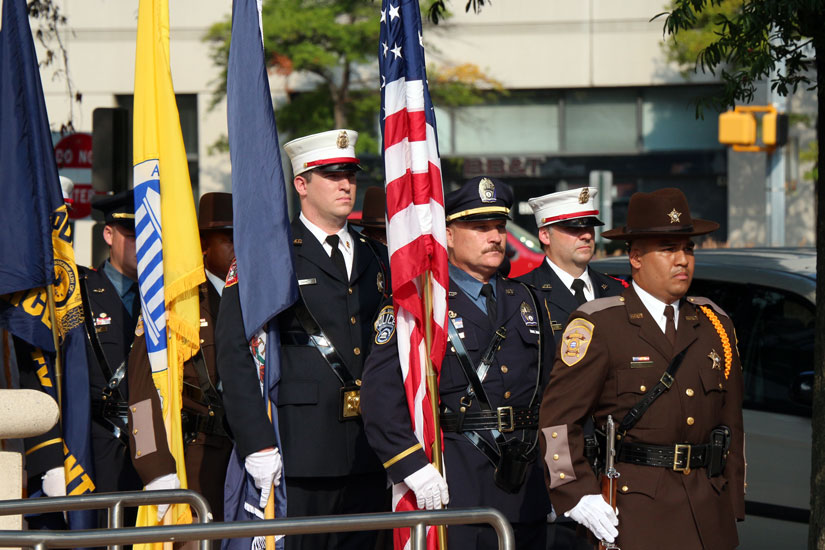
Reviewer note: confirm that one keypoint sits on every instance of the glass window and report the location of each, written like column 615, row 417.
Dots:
column 600, row 121
column 444, row 127
column 669, row 120
column 775, row 330
column 506, row 129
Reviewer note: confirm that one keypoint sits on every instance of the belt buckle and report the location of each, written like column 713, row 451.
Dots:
column 350, row 403
column 500, row 419
column 677, row 450
column 667, row 379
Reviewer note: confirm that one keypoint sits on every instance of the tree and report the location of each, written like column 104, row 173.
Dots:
column 749, row 39
column 335, row 44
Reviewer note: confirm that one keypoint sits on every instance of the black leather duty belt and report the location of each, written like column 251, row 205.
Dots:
column 503, row 419
column 194, row 423
column 680, row 457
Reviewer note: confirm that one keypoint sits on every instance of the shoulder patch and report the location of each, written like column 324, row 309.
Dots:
column 600, row 304
column 575, row 341
column 384, row 325
column 702, row 301
column 232, row 274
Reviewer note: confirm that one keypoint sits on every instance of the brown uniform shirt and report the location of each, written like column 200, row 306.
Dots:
column 611, row 354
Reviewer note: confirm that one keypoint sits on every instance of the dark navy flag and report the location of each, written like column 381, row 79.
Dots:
column 29, row 186
column 262, row 235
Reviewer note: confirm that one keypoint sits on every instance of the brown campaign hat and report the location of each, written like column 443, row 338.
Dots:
column 215, row 211
column 375, row 206
column 660, row 213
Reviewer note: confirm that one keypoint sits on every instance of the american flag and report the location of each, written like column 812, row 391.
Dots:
column 416, row 234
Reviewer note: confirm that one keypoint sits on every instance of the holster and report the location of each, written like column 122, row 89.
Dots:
column 720, row 438
column 593, row 452
column 513, row 464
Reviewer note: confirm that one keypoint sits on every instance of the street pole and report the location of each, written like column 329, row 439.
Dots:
column 775, row 181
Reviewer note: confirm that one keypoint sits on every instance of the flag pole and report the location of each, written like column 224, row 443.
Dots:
column 432, row 389
column 58, row 366
column 269, row 511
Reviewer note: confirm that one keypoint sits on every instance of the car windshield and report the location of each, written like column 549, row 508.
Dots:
column 527, row 239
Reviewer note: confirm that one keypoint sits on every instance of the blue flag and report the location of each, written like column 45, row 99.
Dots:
column 266, row 278
column 29, row 188
column 36, row 250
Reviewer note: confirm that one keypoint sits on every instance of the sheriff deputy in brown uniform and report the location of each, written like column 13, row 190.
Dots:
column 207, row 446
column 671, row 359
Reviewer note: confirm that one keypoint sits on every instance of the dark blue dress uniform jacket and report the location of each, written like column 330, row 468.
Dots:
column 315, row 443
column 559, row 300
column 511, row 381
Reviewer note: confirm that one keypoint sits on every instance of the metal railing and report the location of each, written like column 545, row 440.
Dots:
column 204, row 532
column 113, row 502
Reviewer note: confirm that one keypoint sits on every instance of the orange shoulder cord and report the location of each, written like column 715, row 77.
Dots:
column 714, row 320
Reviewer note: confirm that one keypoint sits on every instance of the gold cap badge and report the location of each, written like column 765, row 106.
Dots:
column 674, row 216
column 343, row 140
column 584, row 196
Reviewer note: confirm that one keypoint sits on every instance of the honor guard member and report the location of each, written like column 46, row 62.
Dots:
column 490, row 383
column 342, row 278
column 206, row 444
column 567, row 222
column 665, row 367
column 111, row 305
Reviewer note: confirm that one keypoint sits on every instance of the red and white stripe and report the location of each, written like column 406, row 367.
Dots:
column 416, row 237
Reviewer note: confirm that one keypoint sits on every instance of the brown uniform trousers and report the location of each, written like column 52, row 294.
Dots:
column 206, row 455
column 611, row 354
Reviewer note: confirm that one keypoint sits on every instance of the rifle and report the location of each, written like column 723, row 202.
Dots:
column 608, row 480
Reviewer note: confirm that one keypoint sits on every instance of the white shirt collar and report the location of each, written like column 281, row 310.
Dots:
column 345, row 243
column 567, row 279
column 216, row 281
column 656, row 307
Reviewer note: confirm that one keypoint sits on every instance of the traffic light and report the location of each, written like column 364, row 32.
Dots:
column 737, row 128
column 775, row 129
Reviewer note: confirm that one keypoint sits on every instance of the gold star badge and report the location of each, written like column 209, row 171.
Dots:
column 584, row 196
column 674, row 216
column 716, row 359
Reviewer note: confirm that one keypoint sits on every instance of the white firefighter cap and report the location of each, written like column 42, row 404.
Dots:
column 573, row 208
column 334, row 151
column 67, row 187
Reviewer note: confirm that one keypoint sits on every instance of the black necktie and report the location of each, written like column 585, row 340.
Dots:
column 578, row 290
column 670, row 325
column 337, row 256
column 490, row 299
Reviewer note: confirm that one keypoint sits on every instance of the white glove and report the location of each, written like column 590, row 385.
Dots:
column 429, row 487
column 265, row 468
column 162, row 483
column 54, row 482
column 594, row 513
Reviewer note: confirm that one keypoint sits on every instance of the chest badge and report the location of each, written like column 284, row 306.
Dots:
column 528, row 315
column 379, row 282
column 102, row 320
column 452, row 314
column 716, row 360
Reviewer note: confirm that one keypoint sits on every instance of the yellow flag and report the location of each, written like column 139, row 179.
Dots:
column 166, row 231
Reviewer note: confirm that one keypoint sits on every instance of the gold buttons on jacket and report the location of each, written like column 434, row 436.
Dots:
column 554, row 435
column 357, row 351
column 201, row 340
column 562, row 476
column 504, row 369
column 134, row 431
column 507, row 395
column 349, row 290
column 555, row 457
column 138, row 453
column 352, row 320
column 642, row 388
column 690, row 421
column 625, row 488
column 689, row 392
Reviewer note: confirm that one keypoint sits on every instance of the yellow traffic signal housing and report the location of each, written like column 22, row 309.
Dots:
column 737, row 128
column 774, row 129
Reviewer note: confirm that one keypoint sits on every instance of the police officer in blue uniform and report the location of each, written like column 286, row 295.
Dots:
column 567, row 222
column 499, row 348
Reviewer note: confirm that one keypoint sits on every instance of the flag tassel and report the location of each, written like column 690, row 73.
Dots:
column 432, row 389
